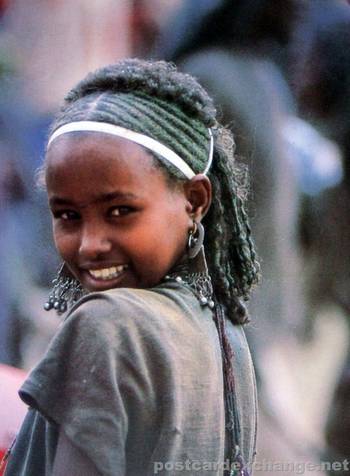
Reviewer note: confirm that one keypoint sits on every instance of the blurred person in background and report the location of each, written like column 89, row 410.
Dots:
column 322, row 83
column 26, row 254
column 23, row 226
column 11, row 191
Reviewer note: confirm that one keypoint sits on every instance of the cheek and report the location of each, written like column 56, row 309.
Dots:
column 164, row 238
column 178, row 226
column 66, row 244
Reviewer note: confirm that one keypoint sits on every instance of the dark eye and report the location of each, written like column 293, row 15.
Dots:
column 121, row 211
column 66, row 215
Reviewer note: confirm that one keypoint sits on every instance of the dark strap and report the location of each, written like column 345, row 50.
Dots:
column 233, row 429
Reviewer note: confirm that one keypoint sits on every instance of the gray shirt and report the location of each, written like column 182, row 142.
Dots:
column 134, row 379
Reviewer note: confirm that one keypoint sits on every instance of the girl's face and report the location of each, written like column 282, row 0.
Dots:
column 116, row 221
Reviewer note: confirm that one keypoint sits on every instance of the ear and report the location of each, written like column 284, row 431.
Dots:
column 198, row 192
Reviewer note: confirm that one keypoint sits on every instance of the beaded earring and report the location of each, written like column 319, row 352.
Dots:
column 66, row 291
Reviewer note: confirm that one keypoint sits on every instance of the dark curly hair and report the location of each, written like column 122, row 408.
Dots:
column 155, row 99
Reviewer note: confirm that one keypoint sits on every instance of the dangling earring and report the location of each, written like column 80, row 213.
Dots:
column 66, row 291
column 194, row 271
column 195, row 240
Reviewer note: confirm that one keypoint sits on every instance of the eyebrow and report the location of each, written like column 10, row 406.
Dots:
column 107, row 197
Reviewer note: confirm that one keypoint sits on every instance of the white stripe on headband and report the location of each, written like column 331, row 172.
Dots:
column 140, row 139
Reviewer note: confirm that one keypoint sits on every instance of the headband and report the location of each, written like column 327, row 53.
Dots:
column 140, row 139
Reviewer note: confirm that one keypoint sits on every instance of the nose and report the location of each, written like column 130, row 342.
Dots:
column 94, row 243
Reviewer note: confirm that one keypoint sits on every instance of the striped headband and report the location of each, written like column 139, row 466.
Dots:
column 141, row 139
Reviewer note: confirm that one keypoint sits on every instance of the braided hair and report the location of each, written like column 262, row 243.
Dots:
column 153, row 98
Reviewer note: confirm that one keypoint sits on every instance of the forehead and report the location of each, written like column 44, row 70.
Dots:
column 74, row 147
column 99, row 162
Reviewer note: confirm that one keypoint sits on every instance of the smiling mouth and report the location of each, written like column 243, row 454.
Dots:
column 105, row 274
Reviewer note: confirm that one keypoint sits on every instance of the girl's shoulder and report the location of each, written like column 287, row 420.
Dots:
column 130, row 308
column 124, row 300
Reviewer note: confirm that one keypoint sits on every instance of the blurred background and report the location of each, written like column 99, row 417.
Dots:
column 279, row 71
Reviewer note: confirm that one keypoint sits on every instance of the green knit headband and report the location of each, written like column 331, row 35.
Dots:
column 157, row 124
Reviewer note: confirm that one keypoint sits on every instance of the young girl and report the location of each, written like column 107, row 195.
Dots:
column 150, row 372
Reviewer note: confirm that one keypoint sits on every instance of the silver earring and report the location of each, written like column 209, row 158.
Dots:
column 195, row 240
column 66, row 292
column 194, row 271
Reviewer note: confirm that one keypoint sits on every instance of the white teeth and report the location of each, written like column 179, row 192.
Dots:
column 107, row 273
column 97, row 273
